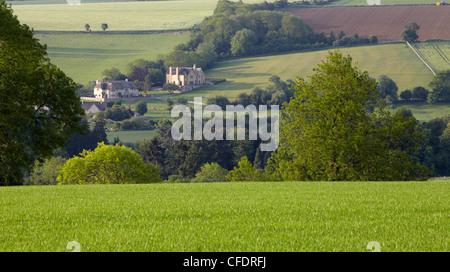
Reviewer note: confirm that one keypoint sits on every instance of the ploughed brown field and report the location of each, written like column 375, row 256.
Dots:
column 386, row 22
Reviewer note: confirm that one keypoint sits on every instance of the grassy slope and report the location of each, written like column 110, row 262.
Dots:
column 118, row 15
column 289, row 216
column 435, row 53
column 244, row 74
column 148, row 15
column 383, row 2
column 84, row 57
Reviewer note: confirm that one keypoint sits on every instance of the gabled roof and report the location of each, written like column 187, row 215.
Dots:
column 88, row 106
column 115, row 85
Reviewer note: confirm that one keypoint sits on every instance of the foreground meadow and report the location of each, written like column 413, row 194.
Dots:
column 289, row 216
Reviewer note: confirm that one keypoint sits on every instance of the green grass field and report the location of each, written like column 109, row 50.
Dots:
column 120, row 16
column 244, row 74
column 426, row 112
column 383, row 2
column 435, row 53
column 84, row 57
column 289, row 216
column 130, row 137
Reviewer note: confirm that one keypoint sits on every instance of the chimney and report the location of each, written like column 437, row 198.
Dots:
column 177, row 71
column 170, row 70
column 195, row 66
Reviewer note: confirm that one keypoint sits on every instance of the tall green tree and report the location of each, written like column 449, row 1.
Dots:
column 334, row 129
column 441, row 84
column 39, row 109
column 409, row 34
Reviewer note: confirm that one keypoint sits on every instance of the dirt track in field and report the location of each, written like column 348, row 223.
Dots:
column 386, row 22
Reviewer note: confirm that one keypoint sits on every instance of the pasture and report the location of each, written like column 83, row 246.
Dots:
column 271, row 216
column 84, row 57
column 120, row 16
column 435, row 53
column 244, row 74
column 425, row 111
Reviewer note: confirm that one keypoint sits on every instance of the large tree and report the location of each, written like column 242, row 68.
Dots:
column 39, row 108
column 334, row 129
column 441, row 84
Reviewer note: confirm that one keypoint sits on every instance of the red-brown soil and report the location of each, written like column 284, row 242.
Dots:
column 386, row 22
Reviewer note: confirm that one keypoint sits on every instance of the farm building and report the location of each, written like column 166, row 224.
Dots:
column 187, row 78
column 115, row 89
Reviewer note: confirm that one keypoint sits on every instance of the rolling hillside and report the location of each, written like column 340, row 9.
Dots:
column 84, row 57
column 244, row 74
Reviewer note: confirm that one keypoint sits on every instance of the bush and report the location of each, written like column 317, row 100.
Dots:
column 108, row 164
column 47, row 172
column 141, row 107
column 211, row 172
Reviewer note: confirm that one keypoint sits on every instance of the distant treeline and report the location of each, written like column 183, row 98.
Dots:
column 237, row 29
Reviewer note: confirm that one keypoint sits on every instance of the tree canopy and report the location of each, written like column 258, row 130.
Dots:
column 335, row 129
column 39, row 109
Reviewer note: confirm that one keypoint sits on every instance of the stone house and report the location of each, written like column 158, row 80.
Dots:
column 187, row 78
column 115, row 89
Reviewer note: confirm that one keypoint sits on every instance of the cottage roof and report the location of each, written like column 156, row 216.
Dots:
column 115, row 85
column 88, row 106
column 183, row 70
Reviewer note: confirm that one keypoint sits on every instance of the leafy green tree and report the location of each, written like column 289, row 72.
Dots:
column 406, row 95
column 410, row 32
column 108, row 164
column 47, row 172
column 87, row 27
column 441, row 84
column 211, row 172
column 114, row 74
column 39, row 109
column 170, row 87
column 141, row 107
column 104, row 26
column 87, row 139
column 243, row 42
column 118, row 113
column 294, row 27
column 153, row 152
column 420, row 93
column 245, row 172
column 329, row 133
column 387, row 88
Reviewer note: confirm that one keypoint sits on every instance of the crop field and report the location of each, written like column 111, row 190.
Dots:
column 84, row 57
column 387, row 23
column 288, row 216
column 244, row 74
column 382, row 2
column 435, row 53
